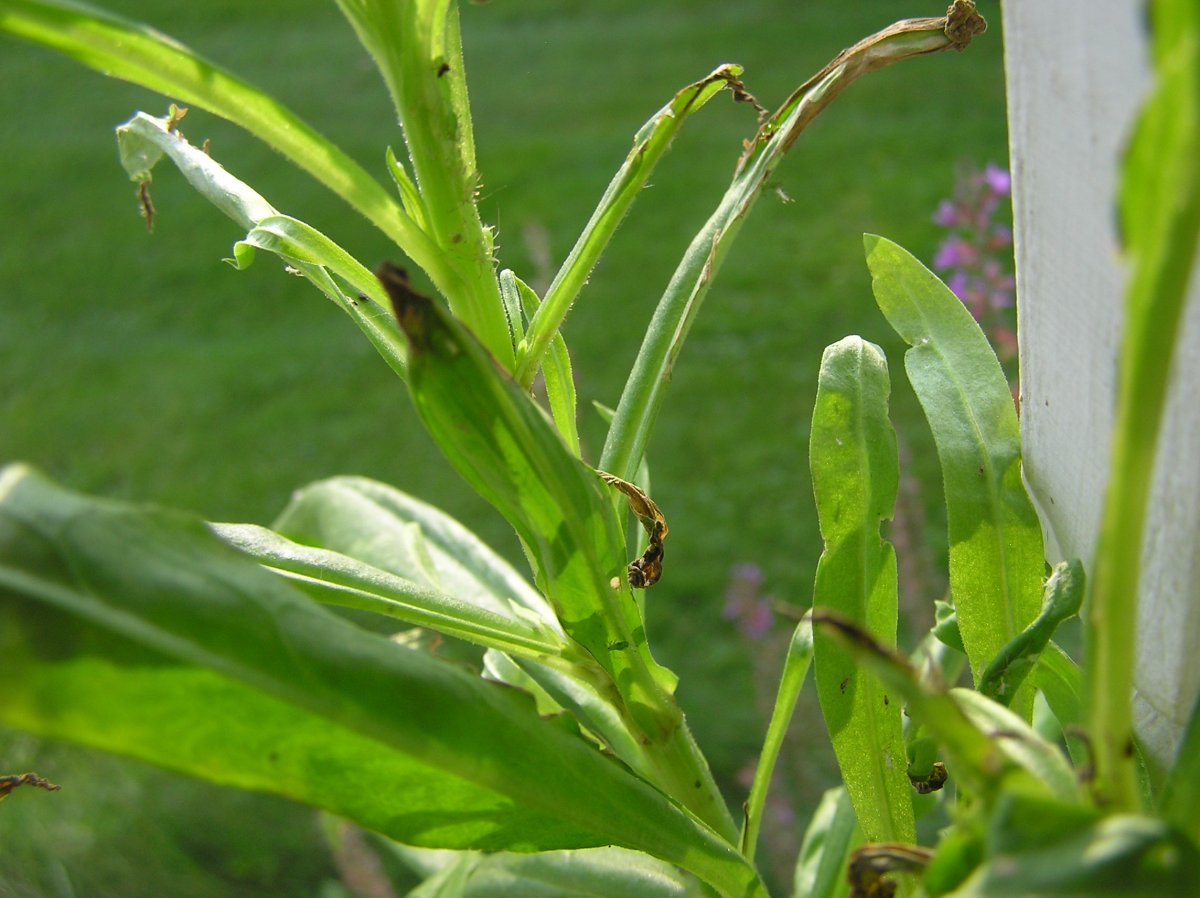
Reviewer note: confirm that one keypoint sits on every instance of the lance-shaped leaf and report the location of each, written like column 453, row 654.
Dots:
column 521, row 303
column 139, row 631
column 589, row 873
column 381, row 526
column 503, row 444
column 795, row 671
column 139, row 54
column 336, row 579
column 996, row 553
column 1181, row 793
column 650, row 145
column 677, row 309
column 144, row 140
column 852, row 452
column 831, row 833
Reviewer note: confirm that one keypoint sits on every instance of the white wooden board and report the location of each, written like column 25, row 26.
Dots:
column 1077, row 71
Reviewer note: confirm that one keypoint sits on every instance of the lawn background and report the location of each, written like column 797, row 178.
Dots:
column 141, row 367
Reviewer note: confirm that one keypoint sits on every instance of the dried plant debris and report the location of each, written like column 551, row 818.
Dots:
column 11, row 781
column 646, row 570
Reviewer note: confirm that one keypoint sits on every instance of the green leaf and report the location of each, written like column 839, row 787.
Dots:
column 1160, row 217
column 1021, row 743
column 577, row 874
column 996, row 553
column 1038, row 847
column 795, row 671
column 852, row 453
column 1061, row 601
column 502, row 443
column 144, row 140
column 138, row 631
column 335, row 579
column 1060, row 681
column 965, row 724
column 390, row 530
column 821, row 866
column 137, row 53
column 680, row 303
column 417, row 48
column 556, row 364
column 650, row 144
column 1181, row 793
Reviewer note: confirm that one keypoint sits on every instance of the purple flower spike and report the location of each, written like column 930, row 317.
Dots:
column 975, row 256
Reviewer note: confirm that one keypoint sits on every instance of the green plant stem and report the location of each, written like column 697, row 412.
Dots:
column 418, row 49
column 1160, row 206
column 644, row 390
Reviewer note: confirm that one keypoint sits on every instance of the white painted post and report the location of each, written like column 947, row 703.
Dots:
column 1077, row 71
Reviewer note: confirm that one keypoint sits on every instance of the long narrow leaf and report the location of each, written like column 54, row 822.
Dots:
column 119, row 618
column 144, row 140
column 379, row 525
column 855, row 472
column 650, row 144
column 137, row 53
column 1060, row 681
column 644, row 390
column 591, row 873
column 795, row 671
column 1181, row 793
column 996, row 552
column 502, row 443
column 336, row 579
column 556, row 364
column 821, row 866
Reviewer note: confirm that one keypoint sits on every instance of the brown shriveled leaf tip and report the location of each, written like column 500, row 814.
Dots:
column 963, row 22
column 145, row 205
column 645, row 571
column 10, row 782
column 413, row 311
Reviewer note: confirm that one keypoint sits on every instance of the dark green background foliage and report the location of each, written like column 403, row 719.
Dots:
column 142, row 367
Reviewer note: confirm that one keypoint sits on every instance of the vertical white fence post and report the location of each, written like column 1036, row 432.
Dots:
column 1077, row 72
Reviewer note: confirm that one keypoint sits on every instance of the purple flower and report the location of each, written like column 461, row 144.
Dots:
column 974, row 257
column 743, row 604
column 998, row 179
column 946, row 214
column 955, row 253
column 957, row 283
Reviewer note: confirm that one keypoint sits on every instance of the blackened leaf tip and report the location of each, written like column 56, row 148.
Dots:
column 413, row 311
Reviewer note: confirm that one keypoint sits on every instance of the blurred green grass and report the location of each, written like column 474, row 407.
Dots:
column 142, row 367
